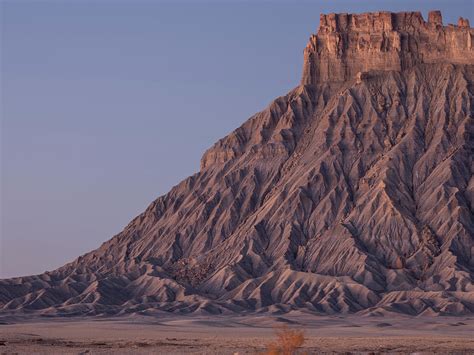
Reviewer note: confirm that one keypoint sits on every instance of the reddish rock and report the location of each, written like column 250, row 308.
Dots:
column 435, row 18
column 350, row 43
column 464, row 23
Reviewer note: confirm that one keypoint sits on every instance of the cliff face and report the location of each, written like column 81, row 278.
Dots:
column 354, row 192
column 346, row 44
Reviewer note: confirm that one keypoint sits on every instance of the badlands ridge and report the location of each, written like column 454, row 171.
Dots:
column 352, row 193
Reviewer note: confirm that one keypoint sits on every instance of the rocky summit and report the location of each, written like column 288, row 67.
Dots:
column 352, row 193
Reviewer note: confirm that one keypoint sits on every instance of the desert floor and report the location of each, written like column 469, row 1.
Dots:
column 167, row 334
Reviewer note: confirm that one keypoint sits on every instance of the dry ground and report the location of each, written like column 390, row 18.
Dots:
column 167, row 334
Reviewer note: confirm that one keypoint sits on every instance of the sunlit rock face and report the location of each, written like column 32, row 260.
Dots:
column 346, row 44
column 354, row 192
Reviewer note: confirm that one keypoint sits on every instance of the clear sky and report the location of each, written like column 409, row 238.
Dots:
column 105, row 105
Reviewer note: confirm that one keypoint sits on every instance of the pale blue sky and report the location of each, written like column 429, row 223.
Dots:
column 107, row 104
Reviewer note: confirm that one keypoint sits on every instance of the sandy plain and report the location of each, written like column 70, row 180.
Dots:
column 247, row 334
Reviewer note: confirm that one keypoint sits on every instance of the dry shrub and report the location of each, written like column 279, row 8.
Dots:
column 287, row 343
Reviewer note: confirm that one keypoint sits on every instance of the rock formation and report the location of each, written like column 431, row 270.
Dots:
column 352, row 193
column 347, row 44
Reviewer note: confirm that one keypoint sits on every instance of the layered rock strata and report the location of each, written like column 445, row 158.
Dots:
column 347, row 44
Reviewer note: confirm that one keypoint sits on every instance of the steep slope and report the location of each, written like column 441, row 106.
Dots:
column 352, row 193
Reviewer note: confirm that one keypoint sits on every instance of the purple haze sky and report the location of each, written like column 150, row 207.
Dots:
column 105, row 105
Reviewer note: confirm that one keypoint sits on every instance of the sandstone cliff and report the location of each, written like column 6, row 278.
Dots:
column 346, row 44
column 352, row 193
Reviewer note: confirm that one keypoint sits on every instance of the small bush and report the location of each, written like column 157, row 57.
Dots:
column 287, row 343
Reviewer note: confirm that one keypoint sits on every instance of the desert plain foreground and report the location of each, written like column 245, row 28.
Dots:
column 246, row 334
